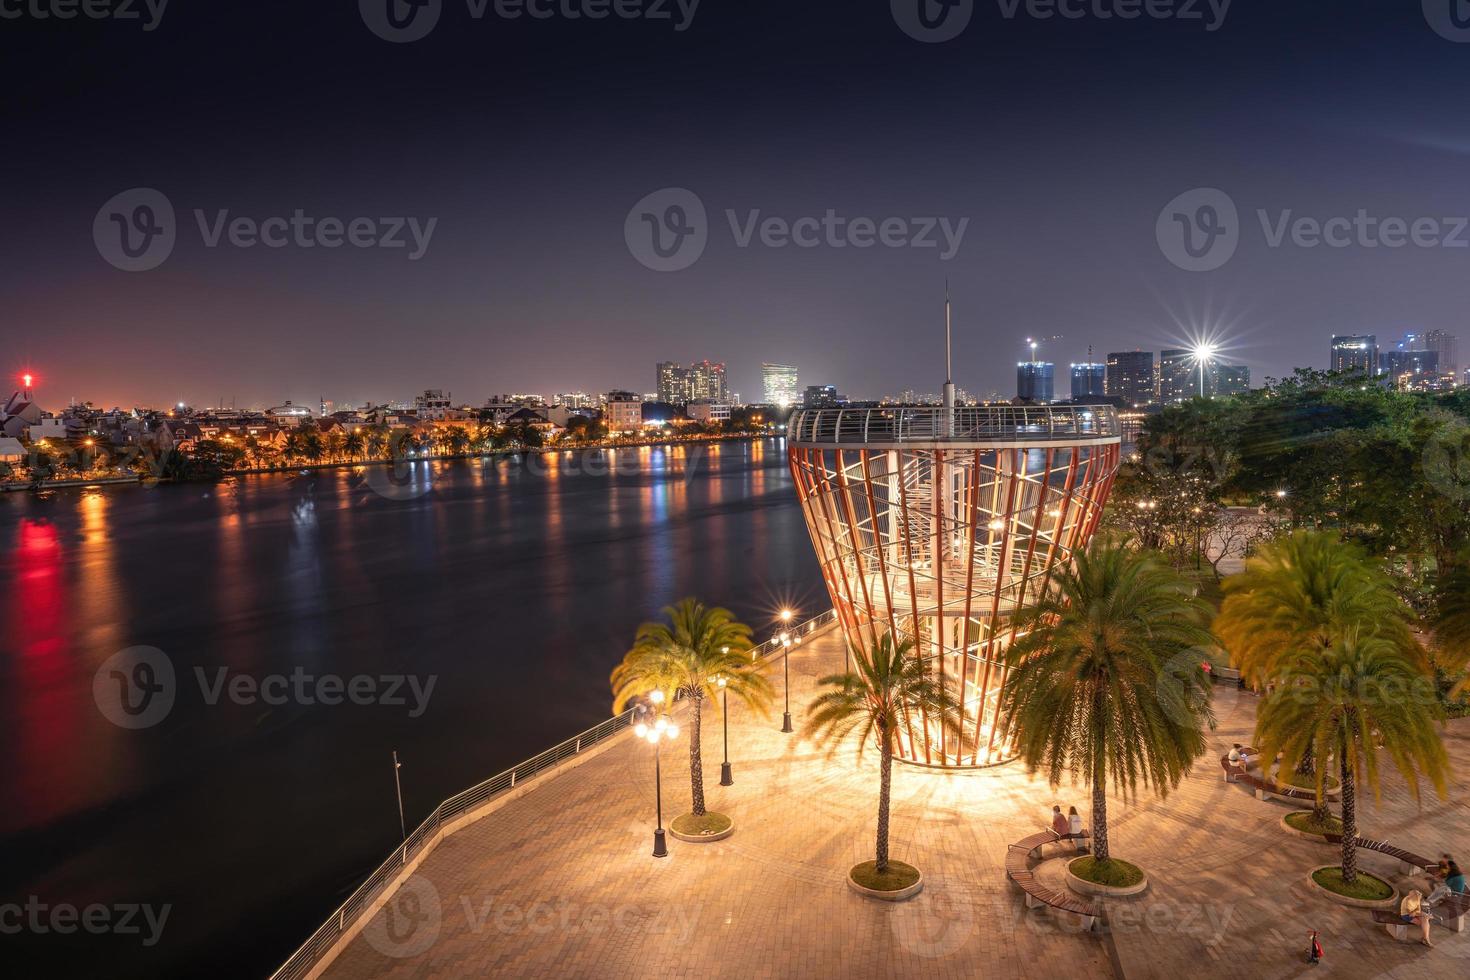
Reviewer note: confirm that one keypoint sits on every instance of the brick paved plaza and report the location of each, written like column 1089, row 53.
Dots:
column 560, row 882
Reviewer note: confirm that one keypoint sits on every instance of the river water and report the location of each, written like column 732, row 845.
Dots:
column 203, row 685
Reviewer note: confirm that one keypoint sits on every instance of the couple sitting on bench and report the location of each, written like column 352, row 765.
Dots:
column 1068, row 826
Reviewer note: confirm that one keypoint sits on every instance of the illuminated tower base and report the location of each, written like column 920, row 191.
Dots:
column 935, row 524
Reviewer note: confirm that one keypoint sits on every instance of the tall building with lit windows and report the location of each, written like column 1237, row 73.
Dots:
column 780, row 384
column 1178, row 375
column 1130, row 377
column 1089, row 380
column 1036, row 381
column 671, row 382
column 1357, row 353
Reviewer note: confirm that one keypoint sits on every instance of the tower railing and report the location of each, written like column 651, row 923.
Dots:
column 979, row 423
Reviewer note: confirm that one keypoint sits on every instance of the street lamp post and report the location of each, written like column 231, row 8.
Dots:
column 656, row 733
column 727, row 778
column 786, row 666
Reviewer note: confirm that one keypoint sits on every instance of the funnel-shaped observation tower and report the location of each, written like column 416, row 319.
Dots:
column 935, row 524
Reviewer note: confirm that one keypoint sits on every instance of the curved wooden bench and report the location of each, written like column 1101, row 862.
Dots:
column 1263, row 786
column 1449, row 912
column 1411, row 862
column 1037, row 894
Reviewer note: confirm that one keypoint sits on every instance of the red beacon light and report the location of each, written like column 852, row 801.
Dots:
column 27, row 379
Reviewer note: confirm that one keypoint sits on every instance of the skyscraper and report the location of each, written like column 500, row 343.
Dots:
column 780, row 383
column 707, row 382
column 1356, row 353
column 1231, row 379
column 1130, row 376
column 1445, row 345
column 671, row 382
column 1089, row 380
column 1035, row 381
column 1178, row 375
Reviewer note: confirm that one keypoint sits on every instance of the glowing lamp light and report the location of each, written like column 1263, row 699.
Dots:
column 786, row 615
column 996, row 524
column 641, row 730
column 657, row 697
column 26, row 379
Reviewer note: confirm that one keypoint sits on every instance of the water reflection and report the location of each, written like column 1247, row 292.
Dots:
column 507, row 576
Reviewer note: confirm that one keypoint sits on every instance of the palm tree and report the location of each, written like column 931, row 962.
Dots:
column 1346, row 700
column 1107, row 680
column 885, row 688
column 1450, row 624
column 1302, row 592
column 687, row 657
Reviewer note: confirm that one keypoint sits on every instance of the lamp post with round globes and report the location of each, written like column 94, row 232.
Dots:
column 656, row 734
column 727, row 778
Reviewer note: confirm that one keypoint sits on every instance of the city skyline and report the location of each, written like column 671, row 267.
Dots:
column 527, row 279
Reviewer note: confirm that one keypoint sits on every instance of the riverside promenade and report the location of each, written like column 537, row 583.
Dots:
column 559, row 882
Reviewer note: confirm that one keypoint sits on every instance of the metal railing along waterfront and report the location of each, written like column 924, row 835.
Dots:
column 364, row 899
column 976, row 423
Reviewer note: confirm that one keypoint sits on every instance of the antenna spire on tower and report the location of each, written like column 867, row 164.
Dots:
column 948, row 365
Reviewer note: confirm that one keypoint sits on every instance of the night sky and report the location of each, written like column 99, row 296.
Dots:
column 529, row 141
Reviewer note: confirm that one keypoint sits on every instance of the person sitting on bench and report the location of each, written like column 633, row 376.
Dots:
column 1074, row 827
column 1455, row 879
column 1059, row 822
column 1413, row 912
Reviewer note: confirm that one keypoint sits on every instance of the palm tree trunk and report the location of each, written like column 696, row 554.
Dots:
column 1349, row 824
column 696, row 760
column 885, row 783
column 1308, row 768
column 1100, row 852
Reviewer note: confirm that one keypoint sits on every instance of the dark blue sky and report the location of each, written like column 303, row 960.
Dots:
column 530, row 140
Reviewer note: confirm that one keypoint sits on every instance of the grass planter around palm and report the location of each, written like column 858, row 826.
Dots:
column 1303, row 823
column 1367, row 892
column 1112, row 877
column 901, row 881
column 702, row 829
